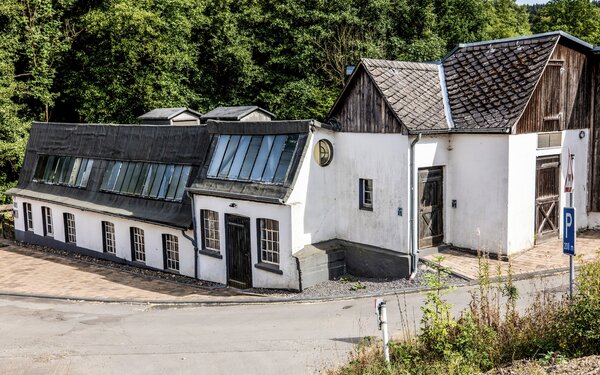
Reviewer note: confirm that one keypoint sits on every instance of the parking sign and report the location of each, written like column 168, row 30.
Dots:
column 569, row 230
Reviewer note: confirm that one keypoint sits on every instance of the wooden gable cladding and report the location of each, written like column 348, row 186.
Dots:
column 364, row 110
column 562, row 98
column 594, row 167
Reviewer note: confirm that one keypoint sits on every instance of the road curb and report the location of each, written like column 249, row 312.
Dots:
column 242, row 301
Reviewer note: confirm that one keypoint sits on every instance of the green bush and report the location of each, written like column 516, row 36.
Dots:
column 492, row 333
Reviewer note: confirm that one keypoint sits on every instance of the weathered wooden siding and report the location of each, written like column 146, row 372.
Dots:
column 363, row 110
column 574, row 85
column 594, row 165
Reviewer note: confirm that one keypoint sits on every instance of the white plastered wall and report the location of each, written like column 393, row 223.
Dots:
column 477, row 178
column 88, row 228
column 214, row 269
column 382, row 158
column 523, row 155
column 313, row 199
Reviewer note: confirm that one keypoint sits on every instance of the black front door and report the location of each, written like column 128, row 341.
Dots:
column 239, row 271
column 431, row 207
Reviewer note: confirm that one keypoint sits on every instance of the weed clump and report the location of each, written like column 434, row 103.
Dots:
column 491, row 332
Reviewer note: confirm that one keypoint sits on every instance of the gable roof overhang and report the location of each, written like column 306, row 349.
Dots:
column 167, row 113
column 348, row 86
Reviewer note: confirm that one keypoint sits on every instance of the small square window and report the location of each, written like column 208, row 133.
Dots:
column 366, row 194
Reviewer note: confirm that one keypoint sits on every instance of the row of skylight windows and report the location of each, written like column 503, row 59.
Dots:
column 63, row 170
column 254, row 158
column 148, row 180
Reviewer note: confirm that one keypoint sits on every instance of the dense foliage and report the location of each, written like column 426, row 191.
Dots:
column 112, row 60
column 492, row 332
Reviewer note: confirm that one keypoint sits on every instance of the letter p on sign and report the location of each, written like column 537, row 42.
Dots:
column 569, row 230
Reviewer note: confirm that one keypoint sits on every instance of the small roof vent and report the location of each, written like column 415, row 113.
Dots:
column 238, row 113
column 171, row 116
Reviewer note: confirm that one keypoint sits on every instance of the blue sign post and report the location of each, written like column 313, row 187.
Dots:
column 569, row 231
column 569, row 242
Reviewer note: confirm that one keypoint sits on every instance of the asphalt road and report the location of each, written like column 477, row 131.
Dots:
column 52, row 337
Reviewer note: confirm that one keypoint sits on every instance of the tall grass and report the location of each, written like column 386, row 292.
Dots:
column 491, row 332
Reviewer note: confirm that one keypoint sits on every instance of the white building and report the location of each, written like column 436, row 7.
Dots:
column 471, row 152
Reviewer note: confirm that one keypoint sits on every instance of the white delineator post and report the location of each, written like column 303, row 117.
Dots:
column 381, row 312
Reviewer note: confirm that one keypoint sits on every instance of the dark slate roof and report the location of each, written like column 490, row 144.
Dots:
column 254, row 191
column 413, row 91
column 167, row 113
column 233, row 113
column 490, row 83
column 163, row 144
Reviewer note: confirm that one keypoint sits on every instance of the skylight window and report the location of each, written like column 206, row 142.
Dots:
column 148, row 180
column 63, row 170
column 256, row 158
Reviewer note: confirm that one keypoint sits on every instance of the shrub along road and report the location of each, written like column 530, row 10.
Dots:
column 45, row 336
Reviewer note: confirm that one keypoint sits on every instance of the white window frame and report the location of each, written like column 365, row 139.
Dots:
column 171, row 252
column 28, row 216
column 366, row 194
column 108, row 236
column 138, row 246
column 268, row 242
column 47, row 220
column 210, row 230
column 70, row 232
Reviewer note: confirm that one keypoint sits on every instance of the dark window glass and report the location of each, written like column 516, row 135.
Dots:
column 228, row 157
column 273, row 160
column 238, row 160
column 132, row 179
column 160, row 173
column 250, row 158
column 174, row 181
column 286, row 158
column 185, row 174
column 261, row 159
column 162, row 192
column 217, row 158
column 50, row 168
column 78, row 169
column 150, row 174
column 66, row 170
column 137, row 190
column 40, row 168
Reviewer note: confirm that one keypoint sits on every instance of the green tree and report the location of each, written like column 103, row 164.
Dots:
column 506, row 19
column 132, row 57
column 580, row 18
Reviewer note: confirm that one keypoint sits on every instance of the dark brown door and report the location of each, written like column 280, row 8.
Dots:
column 547, row 195
column 431, row 208
column 239, row 270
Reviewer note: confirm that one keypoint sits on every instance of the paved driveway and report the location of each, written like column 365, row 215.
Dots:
column 547, row 256
column 28, row 271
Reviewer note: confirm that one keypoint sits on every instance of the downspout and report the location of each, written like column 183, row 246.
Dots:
column 194, row 240
column 414, row 256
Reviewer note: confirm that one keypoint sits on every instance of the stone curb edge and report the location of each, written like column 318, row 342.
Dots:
column 223, row 302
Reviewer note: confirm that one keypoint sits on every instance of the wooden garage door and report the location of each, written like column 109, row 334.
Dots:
column 547, row 197
column 431, row 208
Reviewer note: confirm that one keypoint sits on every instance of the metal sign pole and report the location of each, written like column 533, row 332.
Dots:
column 570, row 175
